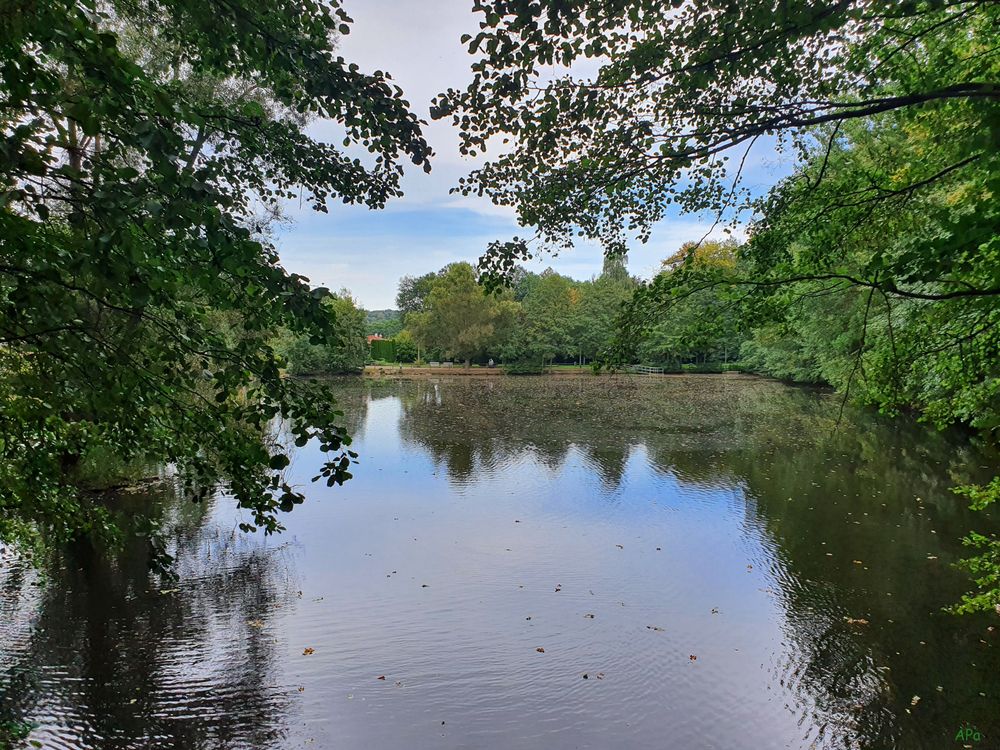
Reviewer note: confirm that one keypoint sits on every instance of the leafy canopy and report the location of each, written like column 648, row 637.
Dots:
column 459, row 317
column 679, row 89
column 146, row 147
column 343, row 352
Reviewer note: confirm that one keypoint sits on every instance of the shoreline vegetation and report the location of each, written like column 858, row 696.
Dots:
column 418, row 372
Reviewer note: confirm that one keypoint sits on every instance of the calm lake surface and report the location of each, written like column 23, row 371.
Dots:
column 675, row 562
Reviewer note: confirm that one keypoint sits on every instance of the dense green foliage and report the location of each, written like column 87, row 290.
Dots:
column 386, row 322
column 894, row 297
column 459, row 318
column 406, row 347
column 145, row 148
column 342, row 351
column 699, row 328
column 565, row 320
column 346, row 350
column 382, row 350
column 544, row 318
column 679, row 88
column 875, row 267
column 413, row 292
column 400, row 348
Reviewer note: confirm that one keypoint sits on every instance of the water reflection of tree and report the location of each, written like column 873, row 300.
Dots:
column 802, row 465
column 353, row 397
column 865, row 527
column 686, row 425
column 113, row 660
column 460, row 427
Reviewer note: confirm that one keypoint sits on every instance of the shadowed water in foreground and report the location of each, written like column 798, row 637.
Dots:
column 690, row 562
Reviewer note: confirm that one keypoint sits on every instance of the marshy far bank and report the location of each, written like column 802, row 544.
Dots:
column 423, row 372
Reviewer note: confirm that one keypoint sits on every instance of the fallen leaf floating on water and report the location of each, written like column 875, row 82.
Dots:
column 424, row 586
column 715, row 610
column 855, row 621
column 540, row 650
column 301, row 689
column 380, row 677
column 308, row 651
column 589, row 616
column 657, row 628
column 619, row 546
column 528, row 617
column 857, row 562
column 915, row 700
column 692, row 657
column 558, row 587
column 255, row 623
column 658, row 549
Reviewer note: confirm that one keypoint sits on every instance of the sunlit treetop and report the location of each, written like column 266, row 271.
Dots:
column 706, row 254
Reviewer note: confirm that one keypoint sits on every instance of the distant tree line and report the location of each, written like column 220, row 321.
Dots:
column 540, row 319
column 543, row 318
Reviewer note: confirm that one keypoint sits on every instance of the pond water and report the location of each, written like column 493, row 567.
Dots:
column 662, row 562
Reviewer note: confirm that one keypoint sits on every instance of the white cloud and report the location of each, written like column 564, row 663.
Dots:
column 481, row 206
column 367, row 251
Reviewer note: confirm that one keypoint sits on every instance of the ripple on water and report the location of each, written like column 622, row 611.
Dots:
column 688, row 521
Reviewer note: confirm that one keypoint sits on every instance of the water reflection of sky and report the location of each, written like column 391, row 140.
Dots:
column 700, row 524
column 541, row 518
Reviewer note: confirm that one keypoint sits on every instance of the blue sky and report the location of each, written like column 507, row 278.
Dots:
column 417, row 41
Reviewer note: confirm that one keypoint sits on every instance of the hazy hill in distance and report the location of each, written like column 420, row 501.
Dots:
column 386, row 322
